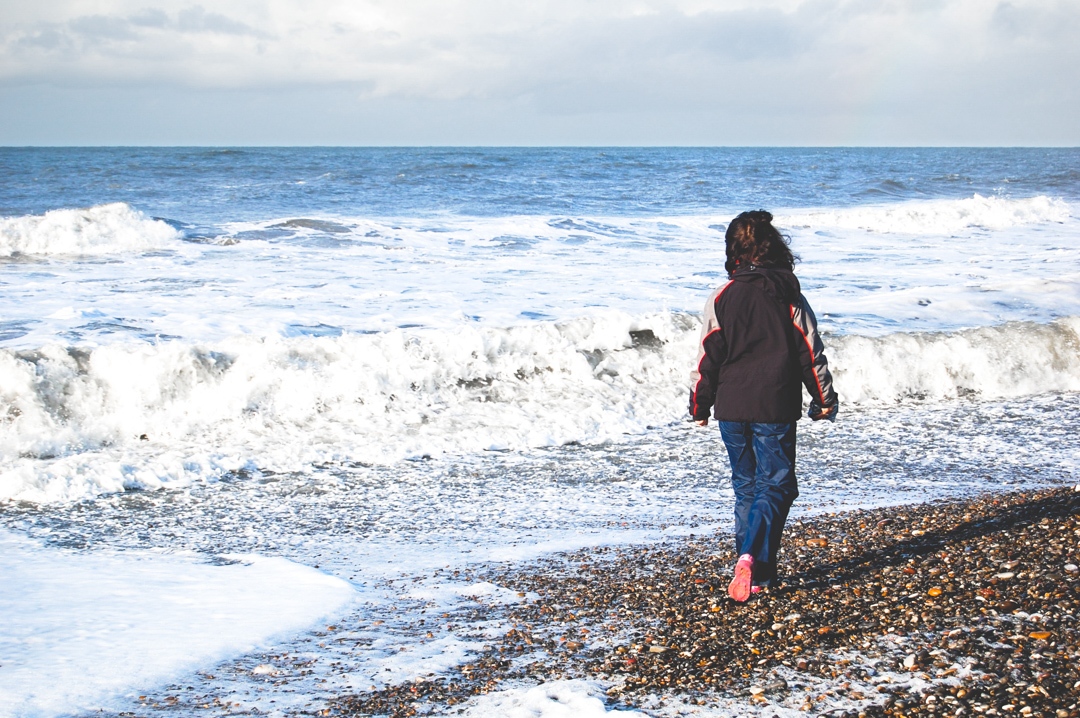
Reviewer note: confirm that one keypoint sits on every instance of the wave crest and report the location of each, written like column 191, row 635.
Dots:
column 937, row 216
column 103, row 229
column 1003, row 362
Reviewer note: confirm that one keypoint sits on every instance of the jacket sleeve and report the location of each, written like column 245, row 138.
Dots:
column 712, row 349
column 813, row 363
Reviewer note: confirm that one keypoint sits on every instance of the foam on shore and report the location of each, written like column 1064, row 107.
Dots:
column 936, row 217
column 84, row 630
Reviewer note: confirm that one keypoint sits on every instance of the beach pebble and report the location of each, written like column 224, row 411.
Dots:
column 776, row 686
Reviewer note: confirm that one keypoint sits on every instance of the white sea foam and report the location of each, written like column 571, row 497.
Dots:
column 1002, row 362
column 104, row 229
column 139, row 415
column 936, row 216
column 558, row 699
column 317, row 277
column 98, row 625
column 284, row 403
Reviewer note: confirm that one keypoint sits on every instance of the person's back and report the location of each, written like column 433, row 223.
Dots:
column 759, row 379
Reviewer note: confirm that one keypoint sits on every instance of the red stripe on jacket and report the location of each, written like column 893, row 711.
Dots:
column 809, row 348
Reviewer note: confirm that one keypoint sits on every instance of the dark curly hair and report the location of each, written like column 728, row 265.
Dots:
column 752, row 239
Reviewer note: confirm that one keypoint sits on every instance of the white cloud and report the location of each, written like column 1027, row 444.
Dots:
column 743, row 58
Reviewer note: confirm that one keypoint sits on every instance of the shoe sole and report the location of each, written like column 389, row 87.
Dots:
column 739, row 589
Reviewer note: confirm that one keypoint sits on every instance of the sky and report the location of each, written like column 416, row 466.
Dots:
column 544, row 72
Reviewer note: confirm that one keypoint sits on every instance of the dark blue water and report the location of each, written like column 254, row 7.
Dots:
column 207, row 186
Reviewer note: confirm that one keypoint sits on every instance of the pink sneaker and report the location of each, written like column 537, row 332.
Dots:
column 739, row 588
column 757, row 589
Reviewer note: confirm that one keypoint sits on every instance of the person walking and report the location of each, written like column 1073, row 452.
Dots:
column 759, row 347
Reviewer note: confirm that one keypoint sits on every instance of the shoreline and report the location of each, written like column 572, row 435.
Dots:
column 953, row 607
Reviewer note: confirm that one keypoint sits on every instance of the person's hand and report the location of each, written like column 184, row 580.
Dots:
column 817, row 413
column 702, row 422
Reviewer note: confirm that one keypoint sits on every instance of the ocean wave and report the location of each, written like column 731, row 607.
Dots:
column 687, row 232
column 1001, row 362
column 937, row 216
column 103, row 229
column 168, row 413
column 76, row 421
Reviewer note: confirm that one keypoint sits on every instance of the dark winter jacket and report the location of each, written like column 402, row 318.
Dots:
column 759, row 343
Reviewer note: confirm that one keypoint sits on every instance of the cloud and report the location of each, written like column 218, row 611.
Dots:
column 1054, row 23
column 102, row 28
column 732, row 58
column 150, row 17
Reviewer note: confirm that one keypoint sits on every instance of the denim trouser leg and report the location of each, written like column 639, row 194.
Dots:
column 762, row 460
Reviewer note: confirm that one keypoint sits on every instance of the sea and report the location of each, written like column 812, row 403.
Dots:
column 281, row 403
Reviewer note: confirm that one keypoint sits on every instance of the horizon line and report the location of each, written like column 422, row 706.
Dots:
column 539, row 146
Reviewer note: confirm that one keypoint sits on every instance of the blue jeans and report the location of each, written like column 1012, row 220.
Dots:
column 762, row 460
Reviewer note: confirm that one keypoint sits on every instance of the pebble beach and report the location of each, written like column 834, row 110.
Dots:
column 954, row 607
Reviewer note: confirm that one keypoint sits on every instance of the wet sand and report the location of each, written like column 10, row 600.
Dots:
column 962, row 607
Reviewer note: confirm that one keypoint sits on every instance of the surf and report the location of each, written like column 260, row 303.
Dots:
column 88, row 420
column 102, row 229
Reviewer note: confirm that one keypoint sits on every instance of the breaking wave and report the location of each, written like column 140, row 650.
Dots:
column 75, row 422
column 937, row 216
column 179, row 411
column 104, row 229
column 1003, row 362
